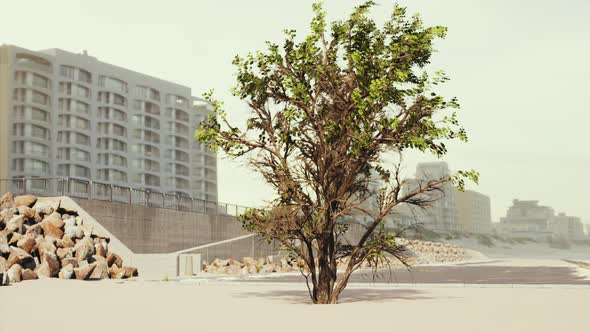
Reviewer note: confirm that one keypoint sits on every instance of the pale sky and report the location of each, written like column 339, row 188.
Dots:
column 520, row 69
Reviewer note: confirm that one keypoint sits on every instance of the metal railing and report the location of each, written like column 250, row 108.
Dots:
column 79, row 188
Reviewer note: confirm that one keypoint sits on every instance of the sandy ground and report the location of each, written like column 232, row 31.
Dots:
column 57, row 305
column 528, row 250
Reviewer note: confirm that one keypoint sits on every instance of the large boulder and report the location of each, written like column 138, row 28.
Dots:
column 84, row 272
column 65, row 242
column 267, row 268
column 25, row 200
column 28, row 274
column 73, row 231
column 101, row 271
column 51, row 230
column 116, row 272
column 100, row 248
column 219, row 263
column 65, row 253
column 84, row 249
column 27, row 244
column 113, row 258
column 18, row 257
column 87, row 229
column 45, row 246
column 49, row 267
column 14, row 273
column 26, row 212
column 55, row 220
column 3, row 264
column 16, row 224
column 231, row 269
column 4, row 245
column 131, row 271
column 14, row 238
column 6, row 214
column 7, row 201
column 69, row 261
column 43, row 208
column 34, row 231
column 66, row 272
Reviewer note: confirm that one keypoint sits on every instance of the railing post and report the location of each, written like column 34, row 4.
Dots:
column 111, row 193
column 90, row 187
column 130, row 195
column 24, row 190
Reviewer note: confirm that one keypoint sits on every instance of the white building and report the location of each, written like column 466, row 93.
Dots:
column 71, row 115
column 567, row 227
column 473, row 211
column 441, row 215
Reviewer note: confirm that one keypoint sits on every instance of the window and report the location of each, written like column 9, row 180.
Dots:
column 73, row 154
column 111, row 144
column 109, row 159
column 146, row 135
column 176, row 114
column 146, row 121
column 112, row 175
column 112, row 129
column 30, row 113
column 112, row 98
column 176, row 100
column 67, row 105
column 146, row 165
column 34, row 62
column 146, row 150
column 146, row 106
column 109, row 113
column 147, row 93
column 73, row 89
column 40, row 81
column 75, row 74
column 40, row 98
column 30, row 166
column 112, row 83
column 70, row 121
column 178, row 128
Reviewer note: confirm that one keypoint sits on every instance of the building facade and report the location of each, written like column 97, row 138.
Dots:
column 70, row 115
column 473, row 211
column 526, row 219
column 441, row 214
column 568, row 227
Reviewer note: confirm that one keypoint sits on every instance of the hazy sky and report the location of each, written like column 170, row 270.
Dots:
column 520, row 68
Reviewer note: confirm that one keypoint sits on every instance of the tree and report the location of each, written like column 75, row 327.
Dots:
column 323, row 112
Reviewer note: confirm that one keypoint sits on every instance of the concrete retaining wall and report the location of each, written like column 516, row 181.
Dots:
column 147, row 230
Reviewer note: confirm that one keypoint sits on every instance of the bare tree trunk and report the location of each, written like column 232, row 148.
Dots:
column 324, row 290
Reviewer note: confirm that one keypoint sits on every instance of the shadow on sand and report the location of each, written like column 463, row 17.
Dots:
column 348, row 296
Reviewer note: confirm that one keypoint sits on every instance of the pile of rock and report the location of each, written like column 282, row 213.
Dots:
column 251, row 265
column 419, row 252
column 43, row 240
column 427, row 252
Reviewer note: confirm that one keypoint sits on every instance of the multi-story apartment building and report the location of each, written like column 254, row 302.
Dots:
column 71, row 115
column 473, row 211
column 526, row 219
column 441, row 214
column 567, row 227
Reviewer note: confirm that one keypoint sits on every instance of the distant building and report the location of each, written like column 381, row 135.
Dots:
column 473, row 211
column 526, row 219
column 441, row 215
column 568, row 227
column 529, row 219
column 64, row 114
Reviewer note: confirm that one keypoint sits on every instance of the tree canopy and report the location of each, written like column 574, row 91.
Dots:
column 323, row 111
